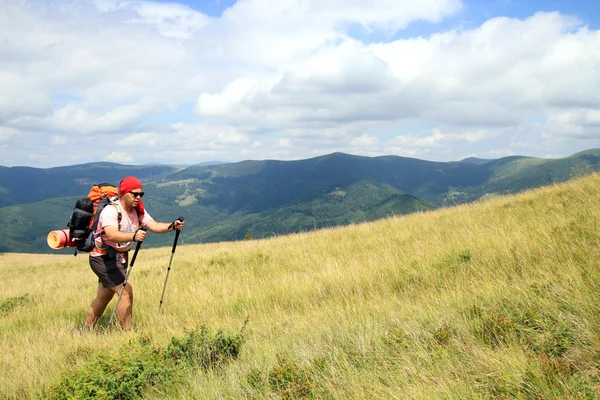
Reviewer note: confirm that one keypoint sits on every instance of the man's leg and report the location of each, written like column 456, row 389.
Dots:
column 98, row 306
column 124, row 311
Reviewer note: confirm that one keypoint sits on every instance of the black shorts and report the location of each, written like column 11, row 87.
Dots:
column 110, row 270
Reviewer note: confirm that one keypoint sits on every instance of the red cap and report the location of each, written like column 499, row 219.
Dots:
column 127, row 185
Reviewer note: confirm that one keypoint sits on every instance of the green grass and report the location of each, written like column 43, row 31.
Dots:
column 497, row 299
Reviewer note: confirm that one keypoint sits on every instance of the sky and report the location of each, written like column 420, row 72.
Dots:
column 185, row 82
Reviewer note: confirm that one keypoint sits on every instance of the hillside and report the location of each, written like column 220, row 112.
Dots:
column 264, row 198
column 496, row 299
column 20, row 185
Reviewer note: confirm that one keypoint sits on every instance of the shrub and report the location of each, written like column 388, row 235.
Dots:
column 464, row 256
column 13, row 302
column 115, row 376
column 201, row 348
column 494, row 328
column 127, row 373
column 396, row 338
column 289, row 380
column 542, row 332
column 443, row 334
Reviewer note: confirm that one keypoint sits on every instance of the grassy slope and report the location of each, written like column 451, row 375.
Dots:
column 491, row 299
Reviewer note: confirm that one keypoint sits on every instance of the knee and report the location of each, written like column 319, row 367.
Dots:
column 104, row 299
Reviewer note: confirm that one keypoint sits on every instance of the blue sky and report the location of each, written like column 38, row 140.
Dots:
column 473, row 13
column 476, row 11
column 194, row 81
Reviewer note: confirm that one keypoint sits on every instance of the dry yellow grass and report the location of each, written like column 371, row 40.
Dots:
column 405, row 307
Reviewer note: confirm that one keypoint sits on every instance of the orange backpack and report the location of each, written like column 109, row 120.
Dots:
column 84, row 220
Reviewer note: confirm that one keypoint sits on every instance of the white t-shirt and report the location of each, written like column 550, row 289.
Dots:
column 110, row 217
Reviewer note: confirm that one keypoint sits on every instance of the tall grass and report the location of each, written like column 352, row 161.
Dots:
column 497, row 299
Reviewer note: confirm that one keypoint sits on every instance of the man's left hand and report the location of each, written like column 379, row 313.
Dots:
column 178, row 224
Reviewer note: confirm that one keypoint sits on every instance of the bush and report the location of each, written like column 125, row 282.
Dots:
column 289, row 380
column 13, row 302
column 127, row 373
column 200, row 348
column 443, row 334
column 542, row 332
column 123, row 375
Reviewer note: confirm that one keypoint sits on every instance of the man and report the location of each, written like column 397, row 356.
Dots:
column 114, row 239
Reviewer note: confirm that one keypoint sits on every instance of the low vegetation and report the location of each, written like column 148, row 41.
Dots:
column 496, row 299
column 141, row 366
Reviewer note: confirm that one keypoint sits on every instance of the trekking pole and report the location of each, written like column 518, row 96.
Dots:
column 169, row 269
column 137, row 248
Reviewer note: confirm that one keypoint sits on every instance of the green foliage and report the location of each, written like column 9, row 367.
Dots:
column 544, row 333
column 289, row 380
column 141, row 365
column 202, row 349
column 443, row 334
column 464, row 256
column 11, row 303
column 248, row 236
column 123, row 375
column 396, row 338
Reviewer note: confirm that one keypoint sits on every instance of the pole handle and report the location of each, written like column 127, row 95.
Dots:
column 176, row 236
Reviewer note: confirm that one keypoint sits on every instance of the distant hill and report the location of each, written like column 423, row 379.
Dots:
column 475, row 160
column 270, row 197
column 20, row 185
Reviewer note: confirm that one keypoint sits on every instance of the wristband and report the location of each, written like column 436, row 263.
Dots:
column 135, row 233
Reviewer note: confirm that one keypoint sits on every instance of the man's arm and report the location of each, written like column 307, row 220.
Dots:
column 164, row 227
column 115, row 235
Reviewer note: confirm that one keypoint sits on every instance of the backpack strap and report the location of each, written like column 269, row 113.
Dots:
column 105, row 202
column 119, row 217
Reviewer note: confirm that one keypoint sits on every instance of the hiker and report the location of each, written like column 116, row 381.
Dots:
column 118, row 227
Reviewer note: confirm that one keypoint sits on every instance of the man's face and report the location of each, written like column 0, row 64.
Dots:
column 133, row 198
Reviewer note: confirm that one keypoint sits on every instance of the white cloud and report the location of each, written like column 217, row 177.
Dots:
column 142, row 139
column 119, row 157
column 294, row 79
column 365, row 140
column 284, row 143
column 414, row 140
column 437, row 138
column 575, row 124
column 228, row 102
column 409, row 152
column 59, row 140
column 498, row 153
column 481, row 77
column 172, row 20
column 7, row 133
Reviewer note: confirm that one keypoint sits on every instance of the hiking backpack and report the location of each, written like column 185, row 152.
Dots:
column 84, row 220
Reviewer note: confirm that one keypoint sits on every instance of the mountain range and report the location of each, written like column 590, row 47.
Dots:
column 257, row 199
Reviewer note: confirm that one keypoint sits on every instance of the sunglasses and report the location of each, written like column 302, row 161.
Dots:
column 137, row 194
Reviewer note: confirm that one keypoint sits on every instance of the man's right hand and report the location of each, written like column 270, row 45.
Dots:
column 140, row 235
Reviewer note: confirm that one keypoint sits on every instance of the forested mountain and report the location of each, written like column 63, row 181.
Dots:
column 265, row 198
